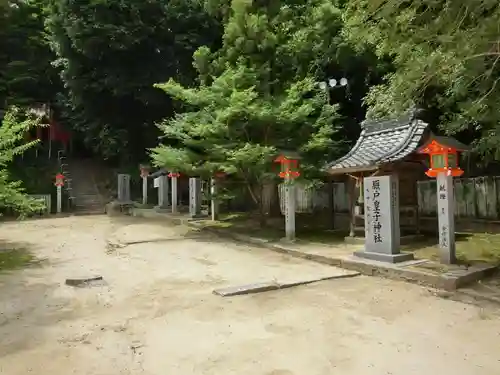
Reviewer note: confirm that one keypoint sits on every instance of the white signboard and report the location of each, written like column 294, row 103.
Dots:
column 156, row 182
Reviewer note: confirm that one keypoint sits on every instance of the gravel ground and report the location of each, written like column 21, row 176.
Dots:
column 157, row 314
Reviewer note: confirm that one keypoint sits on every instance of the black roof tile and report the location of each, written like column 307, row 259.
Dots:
column 382, row 141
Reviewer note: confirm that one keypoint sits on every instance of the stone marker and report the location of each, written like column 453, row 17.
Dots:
column 446, row 218
column 194, row 196
column 382, row 231
column 123, row 188
column 174, row 194
column 214, row 202
column 163, row 193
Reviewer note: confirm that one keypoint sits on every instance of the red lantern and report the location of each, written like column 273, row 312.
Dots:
column 174, row 174
column 59, row 180
column 220, row 174
column 443, row 155
column 289, row 167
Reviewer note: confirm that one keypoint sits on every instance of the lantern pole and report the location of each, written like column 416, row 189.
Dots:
column 144, row 175
column 289, row 208
column 446, row 218
column 174, row 176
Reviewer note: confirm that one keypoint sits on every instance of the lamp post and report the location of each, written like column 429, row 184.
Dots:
column 326, row 86
column 331, row 84
column 443, row 158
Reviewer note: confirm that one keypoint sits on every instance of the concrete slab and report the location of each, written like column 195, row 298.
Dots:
column 274, row 285
column 246, row 289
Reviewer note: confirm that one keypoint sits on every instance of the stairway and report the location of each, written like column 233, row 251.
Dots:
column 87, row 198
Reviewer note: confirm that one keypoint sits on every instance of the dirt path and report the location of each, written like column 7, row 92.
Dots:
column 157, row 315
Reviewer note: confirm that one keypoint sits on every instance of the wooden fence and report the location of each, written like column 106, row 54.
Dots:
column 475, row 198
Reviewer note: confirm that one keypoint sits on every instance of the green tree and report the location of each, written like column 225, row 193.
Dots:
column 26, row 73
column 12, row 132
column 111, row 52
column 257, row 94
column 445, row 56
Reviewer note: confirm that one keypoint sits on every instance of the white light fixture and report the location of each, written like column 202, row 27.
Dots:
column 332, row 82
column 322, row 85
column 343, row 82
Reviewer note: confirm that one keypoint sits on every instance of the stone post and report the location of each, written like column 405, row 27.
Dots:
column 382, row 231
column 124, row 188
column 163, row 193
column 446, row 218
column 174, row 194
column 214, row 202
column 59, row 199
column 289, row 209
column 145, row 190
column 194, row 196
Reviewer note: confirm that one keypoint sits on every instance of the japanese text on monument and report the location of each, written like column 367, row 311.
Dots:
column 376, row 214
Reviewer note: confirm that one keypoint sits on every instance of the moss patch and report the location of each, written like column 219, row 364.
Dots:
column 15, row 259
column 470, row 247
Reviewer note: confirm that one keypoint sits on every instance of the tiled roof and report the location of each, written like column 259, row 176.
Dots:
column 382, row 141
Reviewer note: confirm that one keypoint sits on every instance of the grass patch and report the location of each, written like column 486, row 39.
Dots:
column 15, row 259
column 470, row 248
column 248, row 224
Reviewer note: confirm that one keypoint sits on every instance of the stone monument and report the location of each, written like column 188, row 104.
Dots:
column 124, row 188
column 163, row 192
column 382, row 231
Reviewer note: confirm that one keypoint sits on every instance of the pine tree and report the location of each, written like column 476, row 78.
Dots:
column 257, row 95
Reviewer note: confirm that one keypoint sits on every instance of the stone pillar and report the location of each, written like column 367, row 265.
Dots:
column 174, row 194
column 59, row 199
column 382, row 231
column 124, row 188
column 194, row 196
column 446, row 218
column 145, row 190
column 163, row 193
column 214, row 201
column 289, row 209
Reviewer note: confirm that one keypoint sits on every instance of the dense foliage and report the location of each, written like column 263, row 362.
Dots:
column 255, row 66
column 258, row 94
column 110, row 53
column 12, row 134
column 445, row 56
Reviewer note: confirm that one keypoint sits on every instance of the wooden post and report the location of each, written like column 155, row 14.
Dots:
column 352, row 204
column 331, row 203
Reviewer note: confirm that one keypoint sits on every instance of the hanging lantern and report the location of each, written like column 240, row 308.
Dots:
column 220, row 174
column 443, row 155
column 174, row 175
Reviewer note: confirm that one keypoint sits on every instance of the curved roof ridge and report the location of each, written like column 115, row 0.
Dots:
column 382, row 141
